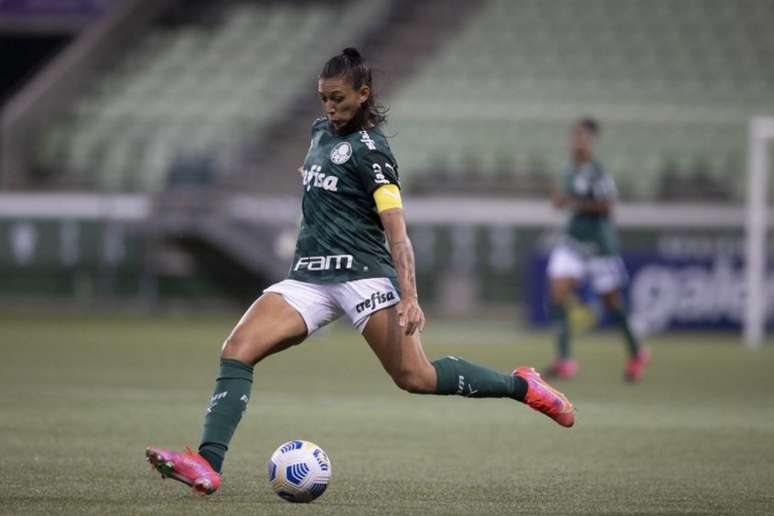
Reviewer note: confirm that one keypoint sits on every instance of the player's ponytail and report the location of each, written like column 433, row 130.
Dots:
column 351, row 64
column 353, row 54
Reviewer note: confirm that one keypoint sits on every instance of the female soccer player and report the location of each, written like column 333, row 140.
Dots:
column 589, row 248
column 351, row 204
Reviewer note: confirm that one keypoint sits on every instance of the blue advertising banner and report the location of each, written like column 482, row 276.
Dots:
column 667, row 293
column 54, row 7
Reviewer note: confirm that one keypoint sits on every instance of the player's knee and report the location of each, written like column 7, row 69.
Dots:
column 414, row 381
column 236, row 347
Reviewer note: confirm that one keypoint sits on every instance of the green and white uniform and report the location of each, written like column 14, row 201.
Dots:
column 590, row 245
column 341, row 262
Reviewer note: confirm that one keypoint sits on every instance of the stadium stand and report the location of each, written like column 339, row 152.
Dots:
column 397, row 44
column 674, row 89
column 481, row 95
column 186, row 93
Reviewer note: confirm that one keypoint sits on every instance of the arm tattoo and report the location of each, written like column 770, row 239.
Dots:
column 403, row 257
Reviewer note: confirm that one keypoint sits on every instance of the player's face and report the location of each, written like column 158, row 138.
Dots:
column 581, row 142
column 340, row 100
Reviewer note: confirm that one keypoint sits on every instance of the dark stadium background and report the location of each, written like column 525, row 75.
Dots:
column 148, row 191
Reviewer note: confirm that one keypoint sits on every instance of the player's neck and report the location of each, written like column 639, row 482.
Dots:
column 580, row 159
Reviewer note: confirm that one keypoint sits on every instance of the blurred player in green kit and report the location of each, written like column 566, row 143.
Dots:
column 588, row 250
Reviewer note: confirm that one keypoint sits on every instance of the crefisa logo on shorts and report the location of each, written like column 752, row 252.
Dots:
column 341, row 153
column 376, row 299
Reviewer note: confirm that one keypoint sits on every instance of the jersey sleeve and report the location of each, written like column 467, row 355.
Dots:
column 377, row 167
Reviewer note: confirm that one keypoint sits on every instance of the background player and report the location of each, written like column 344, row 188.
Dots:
column 589, row 249
column 351, row 203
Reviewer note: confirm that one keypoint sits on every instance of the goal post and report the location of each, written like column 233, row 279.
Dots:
column 756, row 227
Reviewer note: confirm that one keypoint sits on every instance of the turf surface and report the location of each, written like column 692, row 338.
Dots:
column 82, row 397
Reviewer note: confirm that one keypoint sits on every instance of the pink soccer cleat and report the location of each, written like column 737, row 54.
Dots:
column 544, row 398
column 635, row 366
column 562, row 368
column 189, row 468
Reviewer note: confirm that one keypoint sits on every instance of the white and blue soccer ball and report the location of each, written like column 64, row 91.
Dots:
column 299, row 471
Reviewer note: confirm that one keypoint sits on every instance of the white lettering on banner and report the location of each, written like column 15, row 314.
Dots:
column 662, row 294
column 690, row 246
column 324, row 263
column 24, row 242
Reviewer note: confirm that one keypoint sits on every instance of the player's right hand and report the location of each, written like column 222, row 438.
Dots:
column 410, row 316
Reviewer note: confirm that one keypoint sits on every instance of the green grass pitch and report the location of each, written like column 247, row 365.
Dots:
column 83, row 396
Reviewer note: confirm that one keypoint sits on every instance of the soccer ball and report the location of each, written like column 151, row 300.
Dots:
column 299, row 471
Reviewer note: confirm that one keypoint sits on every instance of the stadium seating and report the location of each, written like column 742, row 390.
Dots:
column 673, row 86
column 194, row 91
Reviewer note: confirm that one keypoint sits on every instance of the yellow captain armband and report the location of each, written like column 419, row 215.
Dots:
column 387, row 197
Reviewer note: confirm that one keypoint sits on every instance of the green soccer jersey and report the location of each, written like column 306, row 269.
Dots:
column 594, row 232
column 340, row 235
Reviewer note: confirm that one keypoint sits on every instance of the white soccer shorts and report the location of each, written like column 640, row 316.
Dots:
column 322, row 303
column 607, row 273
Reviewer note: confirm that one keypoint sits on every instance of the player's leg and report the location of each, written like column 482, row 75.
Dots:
column 562, row 292
column 614, row 306
column 404, row 359
column 639, row 355
column 282, row 317
column 562, row 289
column 566, row 267
column 268, row 326
column 608, row 276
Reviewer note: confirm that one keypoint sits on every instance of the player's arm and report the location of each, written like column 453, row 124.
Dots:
column 390, row 208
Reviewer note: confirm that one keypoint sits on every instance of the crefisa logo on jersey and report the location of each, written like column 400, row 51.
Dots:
column 314, row 177
column 341, row 153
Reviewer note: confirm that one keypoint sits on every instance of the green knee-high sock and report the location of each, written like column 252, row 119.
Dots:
column 228, row 403
column 561, row 317
column 621, row 318
column 458, row 376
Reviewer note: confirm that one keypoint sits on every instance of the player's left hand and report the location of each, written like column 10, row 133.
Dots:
column 410, row 316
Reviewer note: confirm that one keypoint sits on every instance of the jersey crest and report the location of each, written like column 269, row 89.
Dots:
column 341, row 153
